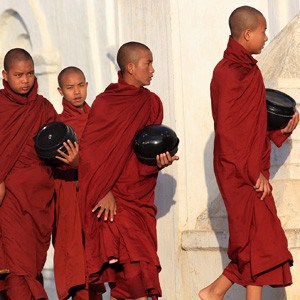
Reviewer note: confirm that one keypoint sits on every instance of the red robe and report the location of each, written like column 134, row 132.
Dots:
column 69, row 267
column 257, row 245
column 26, row 214
column 108, row 163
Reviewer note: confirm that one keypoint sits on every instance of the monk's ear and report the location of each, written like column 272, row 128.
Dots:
column 247, row 35
column 60, row 91
column 130, row 68
column 4, row 75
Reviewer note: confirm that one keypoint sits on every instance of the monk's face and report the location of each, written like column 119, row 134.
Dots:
column 258, row 37
column 74, row 88
column 142, row 70
column 20, row 76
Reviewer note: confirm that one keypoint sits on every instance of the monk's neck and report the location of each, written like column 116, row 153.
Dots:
column 131, row 81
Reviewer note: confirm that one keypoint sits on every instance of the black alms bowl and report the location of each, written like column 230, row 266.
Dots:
column 280, row 107
column 153, row 140
column 50, row 138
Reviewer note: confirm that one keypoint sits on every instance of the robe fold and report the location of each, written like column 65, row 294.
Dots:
column 69, row 260
column 257, row 246
column 108, row 163
column 26, row 214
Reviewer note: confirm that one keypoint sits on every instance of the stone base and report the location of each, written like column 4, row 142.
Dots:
column 204, row 255
column 196, row 240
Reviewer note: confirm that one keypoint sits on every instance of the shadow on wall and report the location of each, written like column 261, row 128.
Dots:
column 215, row 219
column 165, row 191
column 279, row 156
column 113, row 59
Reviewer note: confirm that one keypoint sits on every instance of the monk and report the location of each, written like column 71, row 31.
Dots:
column 27, row 210
column 257, row 249
column 69, row 262
column 116, row 189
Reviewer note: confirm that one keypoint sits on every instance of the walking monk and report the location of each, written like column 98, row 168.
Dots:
column 69, row 263
column 257, row 245
column 26, row 213
column 114, row 185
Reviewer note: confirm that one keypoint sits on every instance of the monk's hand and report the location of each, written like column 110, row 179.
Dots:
column 2, row 191
column 165, row 159
column 106, row 205
column 263, row 186
column 292, row 124
column 70, row 158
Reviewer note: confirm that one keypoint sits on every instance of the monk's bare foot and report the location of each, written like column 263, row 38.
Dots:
column 209, row 293
column 202, row 294
column 216, row 290
column 112, row 261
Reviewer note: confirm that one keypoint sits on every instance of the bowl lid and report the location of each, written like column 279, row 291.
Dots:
column 279, row 99
column 51, row 136
column 153, row 140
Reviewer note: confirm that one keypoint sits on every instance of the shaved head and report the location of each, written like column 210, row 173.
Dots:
column 129, row 53
column 67, row 71
column 16, row 54
column 242, row 18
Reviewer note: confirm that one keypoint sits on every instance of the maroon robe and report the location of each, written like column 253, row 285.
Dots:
column 26, row 214
column 69, row 266
column 108, row 163
column 257, row 245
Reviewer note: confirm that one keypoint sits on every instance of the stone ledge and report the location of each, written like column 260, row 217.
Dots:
column 197, row 240
column 286, row 172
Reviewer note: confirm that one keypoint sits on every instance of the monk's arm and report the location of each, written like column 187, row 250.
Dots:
column 71, row 158
column 106, row 205
column 262, row 185
column 2, row 191
column 165, row 159
column 278, row 137
column 234, row 133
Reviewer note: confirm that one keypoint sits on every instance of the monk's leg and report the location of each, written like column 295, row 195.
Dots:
column 81, row 294
column 87, row 294
column 216, row 290
column 253, row 292
column 143, row 298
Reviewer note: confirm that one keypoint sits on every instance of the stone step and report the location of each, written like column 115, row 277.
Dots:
column 285, row 172
column 197, row 240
